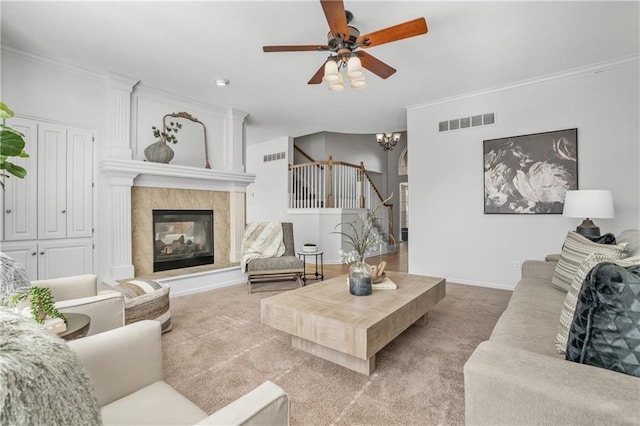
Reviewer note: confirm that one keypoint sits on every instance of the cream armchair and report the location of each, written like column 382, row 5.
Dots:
column 80, row 294
column 125, row 366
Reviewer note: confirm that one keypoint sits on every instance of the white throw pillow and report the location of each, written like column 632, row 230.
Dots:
column 576, row 248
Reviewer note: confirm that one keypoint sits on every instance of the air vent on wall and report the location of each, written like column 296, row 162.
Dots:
column 274, row 157
column 466, row 122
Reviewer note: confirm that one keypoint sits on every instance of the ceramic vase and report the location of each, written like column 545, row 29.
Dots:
column 159, row 152
column 360, row 278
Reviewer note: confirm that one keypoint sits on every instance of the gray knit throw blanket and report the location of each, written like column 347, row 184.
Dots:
column 42, row 381
column 13, row 277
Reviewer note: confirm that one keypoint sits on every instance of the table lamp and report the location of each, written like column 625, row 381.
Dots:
column 588, row 203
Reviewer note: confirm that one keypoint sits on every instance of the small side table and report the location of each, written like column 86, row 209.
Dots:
column 77, row 326
column 315, row 275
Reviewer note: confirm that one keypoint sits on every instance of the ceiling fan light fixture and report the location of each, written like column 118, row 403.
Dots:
column 331, row 74
column 354, row 68
column 359, row 83
column 337, row 87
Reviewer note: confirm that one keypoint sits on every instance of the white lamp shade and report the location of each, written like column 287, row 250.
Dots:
column 331, row 74
column 354, row 68
column 358, row 83
column 589, row 203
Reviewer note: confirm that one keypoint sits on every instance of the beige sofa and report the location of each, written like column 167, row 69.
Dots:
column 125, row 366
column 517, row 377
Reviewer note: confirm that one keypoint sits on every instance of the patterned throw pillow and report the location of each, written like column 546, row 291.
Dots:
column 569, row 306
column 606, row 325
column 576, row 248
column 146, row 300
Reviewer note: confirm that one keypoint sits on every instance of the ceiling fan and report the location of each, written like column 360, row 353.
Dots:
column 345, row 41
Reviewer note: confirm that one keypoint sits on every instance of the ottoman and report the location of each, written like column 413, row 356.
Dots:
column 145, row 300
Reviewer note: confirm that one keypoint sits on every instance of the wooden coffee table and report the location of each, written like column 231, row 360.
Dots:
column 325, row 320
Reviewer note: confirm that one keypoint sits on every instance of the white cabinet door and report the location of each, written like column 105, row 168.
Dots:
column 66, row 258
column 20, row 214
column 25, row 253
column 79, row 183
column 52, row 182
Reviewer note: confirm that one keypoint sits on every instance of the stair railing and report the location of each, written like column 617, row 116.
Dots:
column 338, row 184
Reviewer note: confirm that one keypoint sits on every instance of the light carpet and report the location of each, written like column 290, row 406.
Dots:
column 218, row 350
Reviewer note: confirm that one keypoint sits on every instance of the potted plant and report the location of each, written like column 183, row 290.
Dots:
column 41, row 302
column 11, row 145
column 160, row 152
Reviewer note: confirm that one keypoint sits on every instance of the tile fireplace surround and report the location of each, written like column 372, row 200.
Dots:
column 136, row 188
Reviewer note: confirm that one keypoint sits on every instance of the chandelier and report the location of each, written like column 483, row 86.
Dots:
column 333, row 76
column 387, row 140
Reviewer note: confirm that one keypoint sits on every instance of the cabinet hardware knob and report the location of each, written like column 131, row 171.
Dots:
column 33, row 253
column 8, row 210
column 64, row 211
column 41, row 252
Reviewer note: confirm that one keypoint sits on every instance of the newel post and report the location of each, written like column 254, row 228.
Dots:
column 362, row 172
column 330, row 182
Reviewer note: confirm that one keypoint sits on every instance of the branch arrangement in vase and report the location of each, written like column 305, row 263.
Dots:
column 169, row 134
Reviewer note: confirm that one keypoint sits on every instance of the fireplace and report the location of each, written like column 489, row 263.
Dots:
column 182, row 238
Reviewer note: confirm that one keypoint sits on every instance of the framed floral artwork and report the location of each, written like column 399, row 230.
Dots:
column 530, row 174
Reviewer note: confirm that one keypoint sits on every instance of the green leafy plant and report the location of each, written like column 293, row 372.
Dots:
column 363, row 237
column 169, row 135
column 11, row 145
column 41, row 301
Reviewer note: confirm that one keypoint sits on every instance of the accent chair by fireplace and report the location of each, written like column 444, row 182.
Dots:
column 280, row 268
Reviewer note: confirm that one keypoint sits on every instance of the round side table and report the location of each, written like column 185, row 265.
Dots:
column 314, row 275
column 77, row 326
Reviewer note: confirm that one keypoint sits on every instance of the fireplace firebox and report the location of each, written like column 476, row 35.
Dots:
column 182, row 238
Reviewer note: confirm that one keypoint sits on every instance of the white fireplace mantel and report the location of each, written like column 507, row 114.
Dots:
column 122, row 175
column 159, row 175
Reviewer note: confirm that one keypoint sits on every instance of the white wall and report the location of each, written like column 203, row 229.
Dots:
column 450, row 235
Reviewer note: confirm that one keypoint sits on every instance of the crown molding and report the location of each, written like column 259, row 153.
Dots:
column 589, row 69
column 64, row 66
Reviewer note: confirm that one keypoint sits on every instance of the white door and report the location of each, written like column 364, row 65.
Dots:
column 52, row 182
column 25, row 253
column 79, row 183
column 58, row 259
column 20, row 214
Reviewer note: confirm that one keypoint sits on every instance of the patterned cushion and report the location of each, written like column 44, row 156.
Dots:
column 146, row 299
column 631, row 237
column 288, row 263
column 576, row 248
column 569, row 306
column 605, row 331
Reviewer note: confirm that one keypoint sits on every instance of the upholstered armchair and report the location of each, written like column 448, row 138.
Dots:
column 80, row 294
column 276, row 268
column 125, row 367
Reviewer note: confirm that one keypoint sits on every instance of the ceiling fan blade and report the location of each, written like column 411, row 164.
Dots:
column 375, row 65
column 397, row 32
column 317, row 77
column 336, row 17
column 299, row 48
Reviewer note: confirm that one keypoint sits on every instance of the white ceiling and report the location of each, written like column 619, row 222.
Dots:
column 182, row 47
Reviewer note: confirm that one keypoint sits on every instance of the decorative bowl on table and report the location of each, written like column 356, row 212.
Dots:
column 310, row 248
column 379, row 278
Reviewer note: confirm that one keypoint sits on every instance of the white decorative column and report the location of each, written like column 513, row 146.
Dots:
column 121, row 258
column 119, row 115
column 234, row 141
column 237, row 221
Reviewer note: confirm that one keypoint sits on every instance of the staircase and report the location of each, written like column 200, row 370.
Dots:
column 338, row 184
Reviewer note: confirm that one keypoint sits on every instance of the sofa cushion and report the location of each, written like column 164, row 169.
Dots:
column 286, row 263
column 606, row 328
column 576, row 248
column 156, row 404
column 146, row 300
column 632, row 238
column 569, row 305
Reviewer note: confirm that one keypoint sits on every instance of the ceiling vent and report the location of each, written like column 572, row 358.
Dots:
column 467, row 122
column 274, row 157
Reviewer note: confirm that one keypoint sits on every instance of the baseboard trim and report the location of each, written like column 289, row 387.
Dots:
column 183, row 285
column 480, row 284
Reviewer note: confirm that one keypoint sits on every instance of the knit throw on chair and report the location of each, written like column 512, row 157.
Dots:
column 261, row 240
